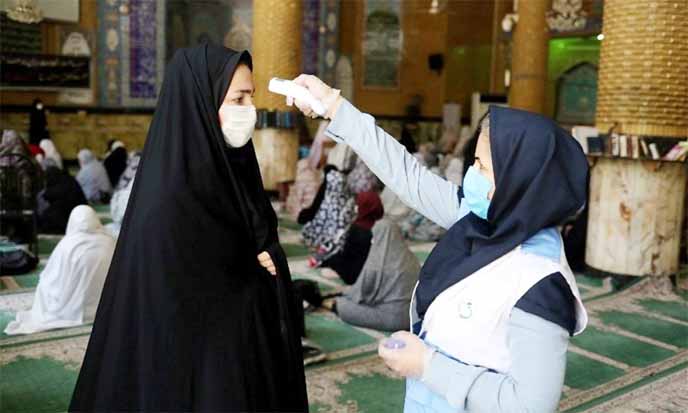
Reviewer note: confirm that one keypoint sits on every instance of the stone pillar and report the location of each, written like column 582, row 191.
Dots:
column 276, row 53
column 529, row 57
column 637, row 207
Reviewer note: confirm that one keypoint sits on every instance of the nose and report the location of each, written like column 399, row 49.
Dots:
column 248, row 100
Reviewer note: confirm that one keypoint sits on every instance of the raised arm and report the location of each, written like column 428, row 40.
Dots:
column 414, row 184
column 420, row 189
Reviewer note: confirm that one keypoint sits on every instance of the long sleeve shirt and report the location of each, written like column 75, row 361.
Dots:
column 538, row 338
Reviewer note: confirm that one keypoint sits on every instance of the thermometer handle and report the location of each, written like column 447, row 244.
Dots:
column 298, row 92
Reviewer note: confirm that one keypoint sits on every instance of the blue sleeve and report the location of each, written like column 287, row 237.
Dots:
column 534, row 383
column 416, row 186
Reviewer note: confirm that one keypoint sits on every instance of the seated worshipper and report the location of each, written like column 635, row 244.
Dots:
column 305, row 188
column 407, row 137
column 454, row 170
column 381, row 295
column 395, row 209
column 307, row 214
column 116, row 162
column 130, row 172
column 349, row 259
column 417, row 227
column 197, row 310
column 337, row 210
column 69, row 287
column 61, row 195
column 118, row 205
column 21, row 171
column 308, row 176
column 361, row 179
column 496, row 300
column 93, row 178
column 50, row 152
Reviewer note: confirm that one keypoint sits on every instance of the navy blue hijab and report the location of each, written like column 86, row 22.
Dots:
column 540, row 177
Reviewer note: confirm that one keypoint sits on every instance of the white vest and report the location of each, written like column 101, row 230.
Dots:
column 469, row 320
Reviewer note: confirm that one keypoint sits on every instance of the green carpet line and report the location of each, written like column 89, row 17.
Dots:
column 43, row 340
column 330, row 363
column 673, row 309
column 16, row 291
column 366, row 390
column 295, row 250
column 46, row 246
column 584, row 373
column 105, row 208
column 620, row 348
column 289, row 225
column 27, row 281
column 334, row 335
column 53, row 394
column 590, row 281
column 628, row 388
column 660, row 330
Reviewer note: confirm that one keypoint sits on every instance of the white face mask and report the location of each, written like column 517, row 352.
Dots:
column 39, row 106
column 238, row 124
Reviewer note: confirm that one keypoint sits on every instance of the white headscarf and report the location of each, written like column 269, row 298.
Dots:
column 92, row 177
column 118, row 206
column 51, row 152
column 70, row 285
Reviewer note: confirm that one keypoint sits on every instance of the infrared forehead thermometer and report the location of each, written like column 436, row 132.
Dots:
column 300, row 93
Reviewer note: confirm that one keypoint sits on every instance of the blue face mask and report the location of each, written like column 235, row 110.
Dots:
column 475, row 190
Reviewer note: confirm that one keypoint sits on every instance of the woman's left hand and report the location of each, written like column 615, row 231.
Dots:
column 266, row 261
column 410, row 360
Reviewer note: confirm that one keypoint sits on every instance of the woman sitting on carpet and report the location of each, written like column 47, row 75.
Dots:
column 348, row 261
column 50, row 152
column 309, row 176
column 130, row 171
column 337, row 206
column 381, row 295
column 116, row 162
column 118, row 206
column 61, row 195
column 93, row 178
column 70, row 285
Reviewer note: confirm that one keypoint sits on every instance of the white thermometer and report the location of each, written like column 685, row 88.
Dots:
column 289, row 88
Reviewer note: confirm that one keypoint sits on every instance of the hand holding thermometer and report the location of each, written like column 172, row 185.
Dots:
column 289, row 88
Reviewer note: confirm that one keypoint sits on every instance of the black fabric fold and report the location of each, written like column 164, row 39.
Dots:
column 188, row 320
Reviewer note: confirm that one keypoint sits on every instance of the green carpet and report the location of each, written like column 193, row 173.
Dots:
column 46, row 246
column 635, row 346
column 621, row 348
column 36, row 385
column 664, row 331
column 673, row 309
column 295, row 250
column 585, row 373
column 333, row 335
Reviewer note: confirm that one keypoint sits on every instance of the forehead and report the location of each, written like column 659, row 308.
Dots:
column 242, row 78
column 483, row 145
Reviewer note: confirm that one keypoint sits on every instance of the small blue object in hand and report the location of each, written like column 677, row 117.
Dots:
column 394, row 344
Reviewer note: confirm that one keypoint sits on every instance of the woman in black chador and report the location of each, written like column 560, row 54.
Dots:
column 195, row 314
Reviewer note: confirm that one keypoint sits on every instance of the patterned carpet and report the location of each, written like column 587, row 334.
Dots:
column 632, row 358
